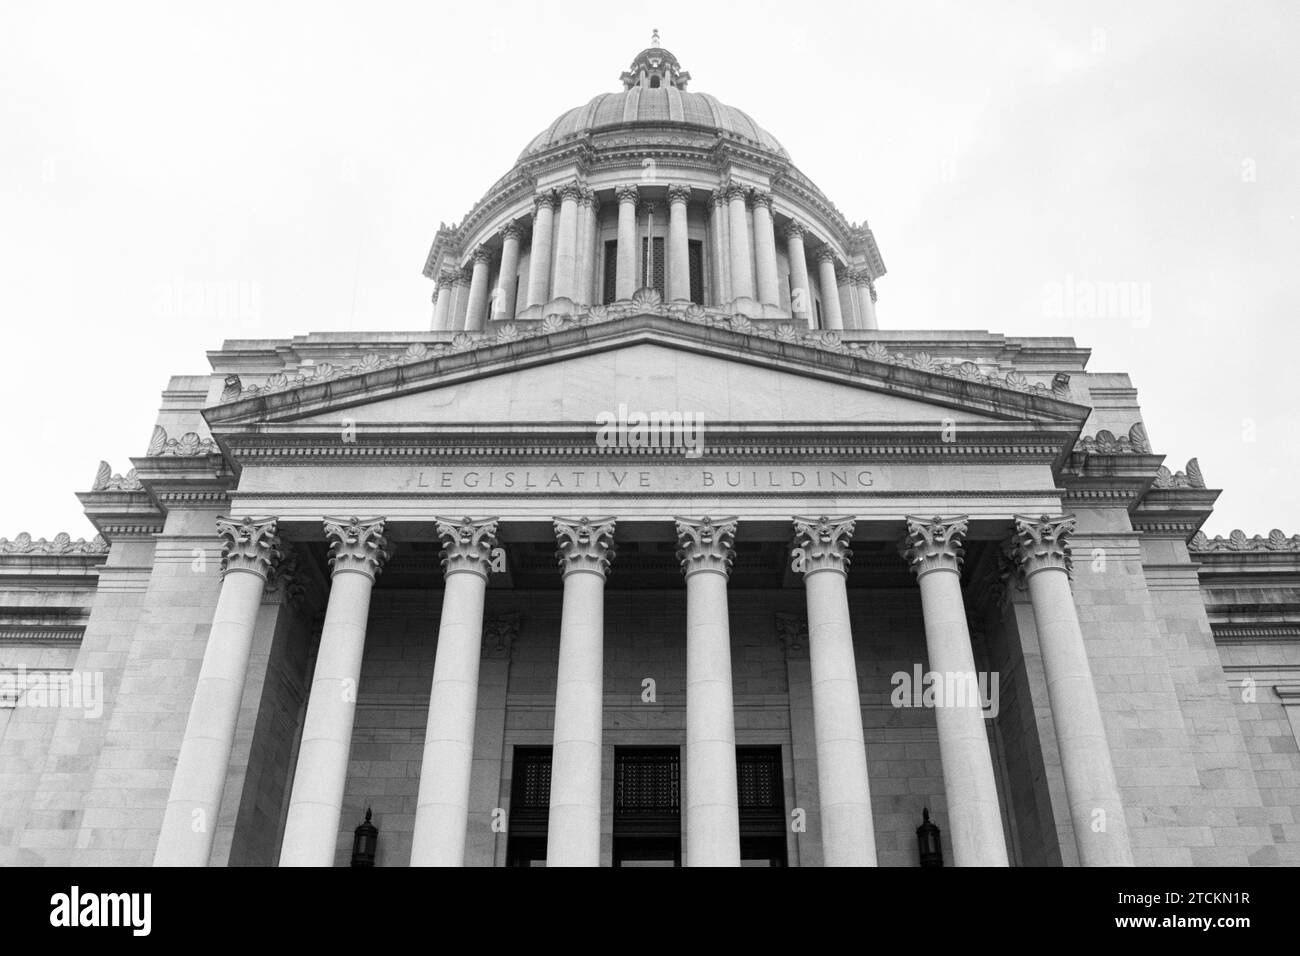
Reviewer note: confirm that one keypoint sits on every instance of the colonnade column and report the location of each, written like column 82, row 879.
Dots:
column 821, row 554
column 625, row 279
column 742, row 284
column 442, row 301
column 721, row 254
column 249, row 557
column 586, row 547
column 460, row 302
column 469, row 554
column 865, row 289
column 1042, row 550
column 539, row 257
column 311, row 830
column 476, row 312
column 679, row 260
column 832, row 318
column 800, row 290
column 712, row 804
column 588, row 208
column 507, row 290
column 566, row 255
column 765, row 248
column 933, row 548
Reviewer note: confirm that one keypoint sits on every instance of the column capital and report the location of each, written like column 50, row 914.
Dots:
column 469, row 545
column 706, row 544
column 736, row 191
column 822, row 544
column 356, row 544
column 718, row 197
column 512, row 230
column 588, row 197
column 447, row 278
column 463, row 277
column 481, row 254
column 586, row 544
column 252, row 544
column 628, row 192
column 826, row 254
column 647, row 207
column 934, row 544
column 679, row 193
column 759, row 197
column 543, row 200
column 793, row 230
column 1042, row 542
column 570, row 191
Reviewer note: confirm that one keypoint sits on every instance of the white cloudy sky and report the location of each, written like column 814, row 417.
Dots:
column 301, row 156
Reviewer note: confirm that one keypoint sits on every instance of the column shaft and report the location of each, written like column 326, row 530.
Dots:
column 832, row 317
column 679, row 263
column 718, row 245
column 507, row 290
column 867, row 302
column 566, row 255
column 800, row 290
column 765, row 250
column 742, row 285
column 476, row 312
column 442, row 305
column 539, row 257
column 625, row 281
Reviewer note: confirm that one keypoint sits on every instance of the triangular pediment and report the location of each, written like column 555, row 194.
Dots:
column 646, row 365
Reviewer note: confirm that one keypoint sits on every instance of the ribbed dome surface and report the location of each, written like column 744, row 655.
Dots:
column 653, row 106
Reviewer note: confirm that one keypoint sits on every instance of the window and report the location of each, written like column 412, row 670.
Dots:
column 760, row 788
column 530, row 807
column 654, row 82
column 611, row 271
column 695, row 257
column 652, row 270
column 647, row 806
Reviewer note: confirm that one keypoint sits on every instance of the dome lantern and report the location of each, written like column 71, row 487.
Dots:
column 653, row 68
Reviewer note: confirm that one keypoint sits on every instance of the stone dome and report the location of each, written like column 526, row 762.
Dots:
column 654, row 94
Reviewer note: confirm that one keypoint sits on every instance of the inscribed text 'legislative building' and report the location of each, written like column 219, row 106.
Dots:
column 655, row 549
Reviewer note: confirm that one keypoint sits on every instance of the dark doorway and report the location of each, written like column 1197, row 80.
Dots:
column 530, row 807
column 761, row 790
column 647, row 806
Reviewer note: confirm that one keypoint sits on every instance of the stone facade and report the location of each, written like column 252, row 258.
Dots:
column 451, row 577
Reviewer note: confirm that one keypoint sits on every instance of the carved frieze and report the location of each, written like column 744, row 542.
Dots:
column 61, row 543
column 1237, row 541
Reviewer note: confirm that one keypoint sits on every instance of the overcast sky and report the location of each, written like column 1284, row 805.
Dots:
column 296, row 159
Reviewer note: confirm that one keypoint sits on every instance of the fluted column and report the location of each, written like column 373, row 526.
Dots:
column 442, row 301
column 311, row 830
column 712, row 805
column 249, row 557
column 460, row 302
column 719, row 245
column 821, row 554
column 625, row 281
column 1042, row 550
column 832, row 318
column 800, row 291
column 932, row 548
column 679, row 262
column 588, row 227
column 469, row 554
column 566, row 256
column 573, row 829
column 507, row 290
column 476, row 313
column 539, row 257
column 865, row 291
column 769, row 292
column 738, row 234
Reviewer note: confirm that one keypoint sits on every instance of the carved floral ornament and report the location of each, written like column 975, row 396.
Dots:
column 1106, row 443
column 1191, row 478
column 1237, row 541
column 934, row 544
column 1041, row 542
column 649, row 302
column 105, row 480
column 499, row 636
column 189, row 445
column 822, row 544
column 469, row 545
column 61, row 543
column 706, row 544
column 357, row 544
column 585, row 544
column 251, row 544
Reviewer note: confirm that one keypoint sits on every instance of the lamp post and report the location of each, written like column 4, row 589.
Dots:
column 927, row 839
column 364, row 841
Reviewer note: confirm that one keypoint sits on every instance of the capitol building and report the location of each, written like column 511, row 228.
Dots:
column 656, row 546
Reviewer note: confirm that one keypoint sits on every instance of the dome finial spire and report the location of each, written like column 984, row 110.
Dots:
column 654, row 37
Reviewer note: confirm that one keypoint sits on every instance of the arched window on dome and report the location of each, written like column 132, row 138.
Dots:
column 654, row 82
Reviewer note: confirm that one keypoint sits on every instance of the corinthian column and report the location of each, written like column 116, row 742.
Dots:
column 249, row 557
column 933, row 550
column 742, row 284
column 832, row 318
column 1042, row 550
column 800, row 290
column 566, row 256
column 625, row 278
column 712, row 806
column 507, row 290
column 469, row 554
column 719, row 245
column 442, row 304
column 588, row 207
column 573, row 830
column 476, row 314
column 539, row 258
column 821, row 554
column 679, row 262
column 865, row 289
column 765, row 248
column 311, row 830
column 460, row 303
